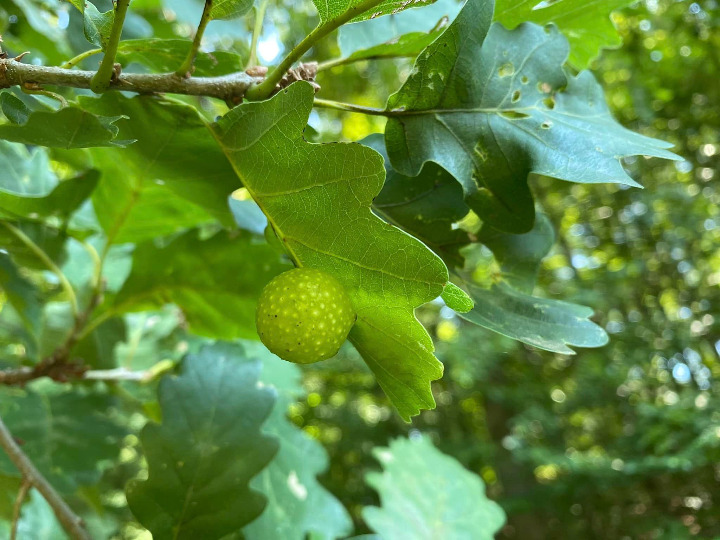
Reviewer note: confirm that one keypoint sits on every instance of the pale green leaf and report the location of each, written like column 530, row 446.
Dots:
column 230, row 9
column 166, row 55
column 69, row 127
column 404, row 34
column 586, row 23
column 24, row 171
column 427, row 495
column 330, row 9
column 62, row 201
column 37, row 521
column 207, row 449
column 298, row 507
column 317, row 198
column 492, row 110
column 215, row 282
column 457, row 299
column 547, row 324
column 97, row 26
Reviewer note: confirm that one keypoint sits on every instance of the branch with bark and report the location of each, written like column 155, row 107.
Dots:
column 31, row 476
column 228, row 87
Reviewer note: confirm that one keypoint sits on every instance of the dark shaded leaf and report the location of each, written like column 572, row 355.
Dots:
column 207, row 449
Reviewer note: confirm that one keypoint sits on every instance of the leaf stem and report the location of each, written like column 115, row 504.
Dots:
column 257, row 30
column 185, row 70
column 69, row 520
column 350, row 107
column 266, row 88
column 101, row 80
column 79, row 58
column 17, row 509
column 47, row 261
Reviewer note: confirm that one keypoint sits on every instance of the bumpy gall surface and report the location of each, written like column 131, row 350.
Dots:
column 304, row 315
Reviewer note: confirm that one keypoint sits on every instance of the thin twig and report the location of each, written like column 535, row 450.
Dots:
column 72, row 523
column 79, row 58
column 257, row 30
column 228, row 87
column 47, row 261
column 185, row 70
column 105, row 73
column 17, row 509
column 267, row 87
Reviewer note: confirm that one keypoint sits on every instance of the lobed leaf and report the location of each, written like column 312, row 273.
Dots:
column 69, row 127
column 547, row 324
column 317, row 199
column 298, row 506
column 426, row 206
column 586, row 24
column 492, row 106
column 520, row 255
column 207, row 449
column 426, row 495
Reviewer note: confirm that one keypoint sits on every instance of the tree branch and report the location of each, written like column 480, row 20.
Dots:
column 69, row 520
column 228, row 87
column 267, row 87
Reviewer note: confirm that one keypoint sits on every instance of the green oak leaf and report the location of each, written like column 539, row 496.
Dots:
column 404, row 34
column 230, row 9
column 426, row 494
column 215, row 282
column 330, row 9
column 21, row 293
column 317, row 199
column 165, row 55
column 520, row 255
column 24, row 171
column 69, row 127
column 547, row 324
column 586, row 23
column 493, row 107
column 68, row 434
column 62, row 201
column 299, row 506
column 175, row 177
column 426, row 206
column 97, row 26
column 209, row 446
